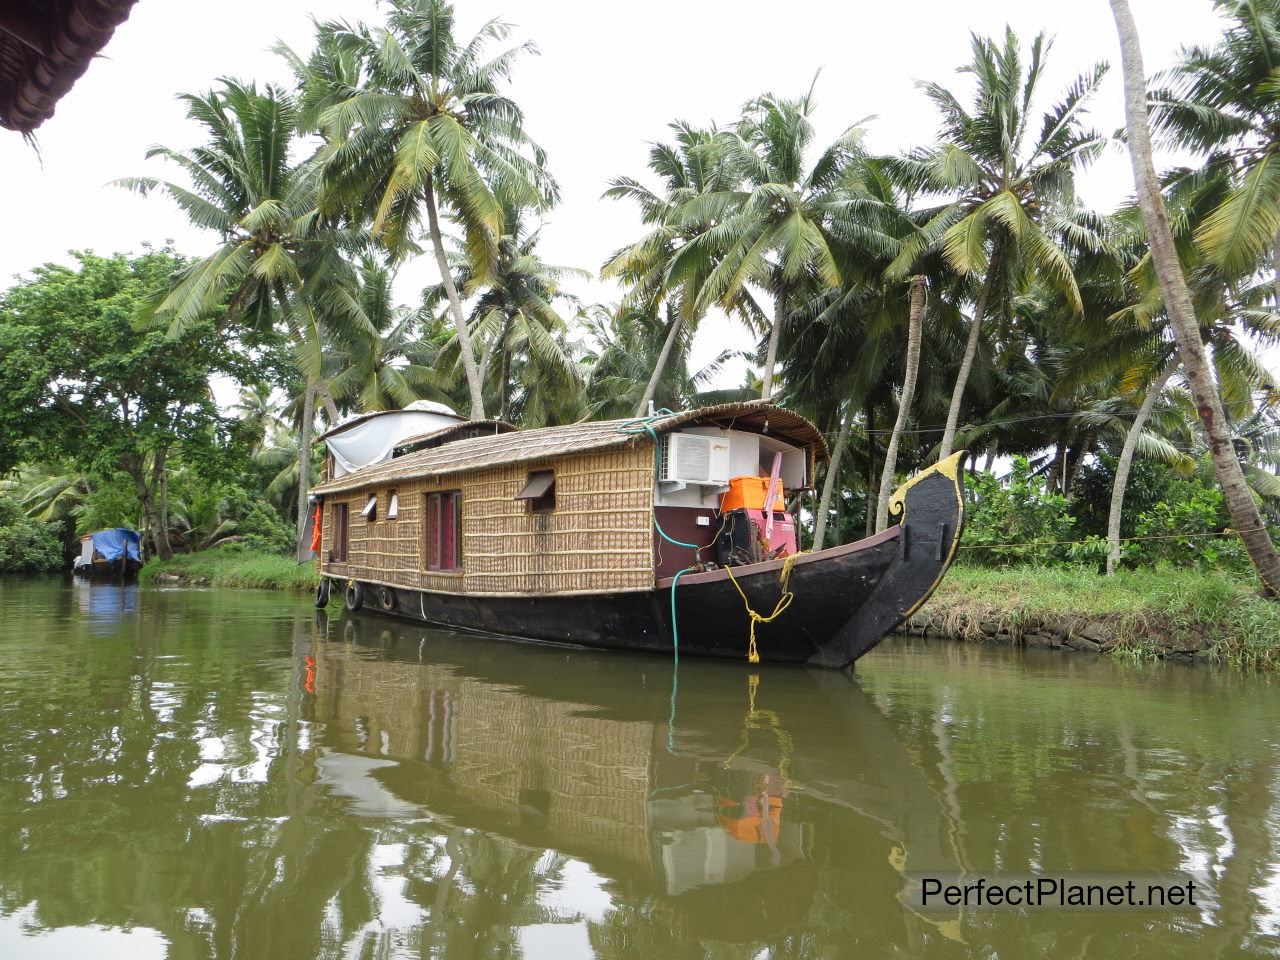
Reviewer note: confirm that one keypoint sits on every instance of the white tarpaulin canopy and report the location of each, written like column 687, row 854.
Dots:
column 371, row 439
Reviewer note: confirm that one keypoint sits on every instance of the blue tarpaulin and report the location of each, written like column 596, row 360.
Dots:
column 112, row 544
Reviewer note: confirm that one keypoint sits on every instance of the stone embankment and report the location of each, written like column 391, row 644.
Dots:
column 1089, row 635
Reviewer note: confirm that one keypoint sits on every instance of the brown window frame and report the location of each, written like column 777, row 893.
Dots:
column 341, row 520
column 544, row 502
column 435, row 543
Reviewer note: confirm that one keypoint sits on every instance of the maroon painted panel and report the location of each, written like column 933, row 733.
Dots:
column 680, row 523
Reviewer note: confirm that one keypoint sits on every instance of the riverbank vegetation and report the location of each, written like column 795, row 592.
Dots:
column 1178, row 614
column 233, row 565
column 954, row 294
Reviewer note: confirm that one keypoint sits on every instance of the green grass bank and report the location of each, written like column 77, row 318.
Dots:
column 233, row 568
column 1144, row 613
column 1138, row 613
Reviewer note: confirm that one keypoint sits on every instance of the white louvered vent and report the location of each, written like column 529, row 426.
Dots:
column 692, row 458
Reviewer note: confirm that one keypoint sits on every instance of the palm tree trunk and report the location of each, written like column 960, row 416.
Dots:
column 304, row 440
column 775, row 334
column 1275, row 266
column 1177, row 298
column 1125, row 463
column 869, row 417
column 966, row 364
column 661, row 364
column 1058, row 465
column 304, row 464
column 330, row 408
column 829, row 484
column 1075, row 456
column 504, row 387
column 915, row 328
column 474, row 386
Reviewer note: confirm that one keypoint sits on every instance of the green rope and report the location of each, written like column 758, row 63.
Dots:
column 638, row 426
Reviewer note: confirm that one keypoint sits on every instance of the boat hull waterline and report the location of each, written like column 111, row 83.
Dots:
column 846, row 599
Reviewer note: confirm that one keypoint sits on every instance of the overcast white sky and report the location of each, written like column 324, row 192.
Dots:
column 609, row 78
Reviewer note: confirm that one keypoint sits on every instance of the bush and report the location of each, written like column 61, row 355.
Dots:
column 213, row 513
column 26, row 545
column 1018, row 510
column 1150, row 482
column 1191, row 510
column 263, row 530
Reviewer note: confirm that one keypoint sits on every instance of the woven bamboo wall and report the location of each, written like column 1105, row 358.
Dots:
column 597, row 540
column 502, row 743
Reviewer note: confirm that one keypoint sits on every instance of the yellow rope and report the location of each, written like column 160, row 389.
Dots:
column 784, row 601
column 763, row 720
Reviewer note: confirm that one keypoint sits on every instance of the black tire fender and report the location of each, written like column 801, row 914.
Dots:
column 324, row 590
column 386, row 598
column 354, row 598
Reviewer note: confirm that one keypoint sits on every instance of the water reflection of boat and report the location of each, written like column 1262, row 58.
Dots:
column 104, row 605
column 720, row 811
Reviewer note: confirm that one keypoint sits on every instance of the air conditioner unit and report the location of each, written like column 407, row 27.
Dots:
column 695, row 458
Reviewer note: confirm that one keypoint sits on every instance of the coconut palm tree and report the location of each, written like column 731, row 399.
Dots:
column 623, row 342
column 242, row 185
column 696, row 165
column 1226, row 306
column 256, row 409
column 426, row 128
column 1223, row 101
column 280, row 455
column 1011, row 173
column 777, row 230
column 915, row 334
column 1177, row 297
column 841, row 363
column 389, row 367
column 515, row 315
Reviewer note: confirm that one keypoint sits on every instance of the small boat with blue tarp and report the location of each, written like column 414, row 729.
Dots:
column 114, row 553
column 671, row 533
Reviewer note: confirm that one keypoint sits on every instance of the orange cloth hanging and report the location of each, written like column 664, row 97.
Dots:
column 315, row 532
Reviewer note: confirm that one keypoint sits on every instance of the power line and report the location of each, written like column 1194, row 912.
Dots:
column 991, row 423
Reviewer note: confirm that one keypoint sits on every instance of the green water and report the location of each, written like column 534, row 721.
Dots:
column 191, row 773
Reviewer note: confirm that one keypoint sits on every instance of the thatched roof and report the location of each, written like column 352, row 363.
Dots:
column 45, row 46
column 461, row 456
column 466, row 430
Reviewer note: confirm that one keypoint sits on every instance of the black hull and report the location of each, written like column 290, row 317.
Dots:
column 116, row 570
column 845, row 598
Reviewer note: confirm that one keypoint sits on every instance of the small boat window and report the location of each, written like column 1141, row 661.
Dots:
column 443, row 533
column 539, row 491
column 393, row 505
column 340, row 534
column 370, row 511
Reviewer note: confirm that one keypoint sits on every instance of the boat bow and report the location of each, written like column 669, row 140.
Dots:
column 930, row 508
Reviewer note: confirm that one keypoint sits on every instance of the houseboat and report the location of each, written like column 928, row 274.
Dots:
column 115, row 553
column 666, row 533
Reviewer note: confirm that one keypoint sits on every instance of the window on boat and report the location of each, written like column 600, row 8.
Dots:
column 393, row 505
column 341, row 537
column 443, row 546
column 370, row 511
column 539, row 491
